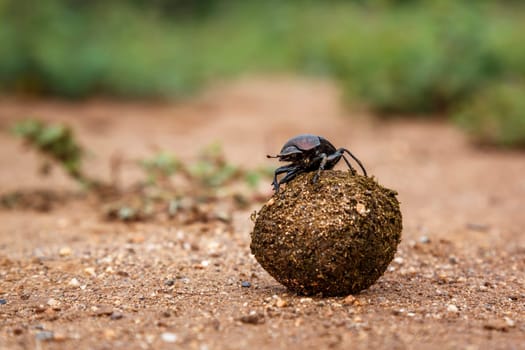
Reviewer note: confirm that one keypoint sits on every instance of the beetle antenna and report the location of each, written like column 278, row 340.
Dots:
column 355, row 158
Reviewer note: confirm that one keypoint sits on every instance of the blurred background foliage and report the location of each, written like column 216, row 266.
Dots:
column 418, row 57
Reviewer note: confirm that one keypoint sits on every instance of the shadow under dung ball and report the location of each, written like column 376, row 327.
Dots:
column 335, row 237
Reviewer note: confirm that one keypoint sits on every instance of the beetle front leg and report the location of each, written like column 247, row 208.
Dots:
column 289, row 176
column 278, row 171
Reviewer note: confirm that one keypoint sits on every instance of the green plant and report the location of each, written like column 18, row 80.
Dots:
column 496, row 115
column 160, row 166
column 254, row 177
column 419, row 59
column 396, row 55
column 57, row 142
column 211, row 168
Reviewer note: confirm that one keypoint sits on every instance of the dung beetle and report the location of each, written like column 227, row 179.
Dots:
column 308, row 153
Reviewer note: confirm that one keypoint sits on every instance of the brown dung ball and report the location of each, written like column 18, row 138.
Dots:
column 334, row 237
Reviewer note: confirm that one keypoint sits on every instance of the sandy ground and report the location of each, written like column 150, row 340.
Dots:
column 69, row 279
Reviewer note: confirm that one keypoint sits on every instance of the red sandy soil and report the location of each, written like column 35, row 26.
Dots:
column 70, row 279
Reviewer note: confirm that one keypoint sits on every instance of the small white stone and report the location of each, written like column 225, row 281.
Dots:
column 452, row 308
column 65, row 251
column 168, row 337
column 361, row 209
column 90, row 271
column 150, row 338
column 510, row 322
column 74, row 282
column 53, row 302
column 281, row 303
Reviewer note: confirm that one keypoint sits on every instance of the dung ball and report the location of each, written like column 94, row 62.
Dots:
column 331, row 238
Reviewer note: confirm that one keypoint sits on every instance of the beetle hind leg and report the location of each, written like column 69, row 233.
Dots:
column 342, row 150
column 352, row 169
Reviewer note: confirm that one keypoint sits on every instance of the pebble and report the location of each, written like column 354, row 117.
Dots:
column 58, row 337
column 399, row 260
column 103, row 311
column 281, row 302
column 169, row 282
column 361, row 209
column 169, row 337
column 452, row 308
column 424, row 239
column 510, row 322
column 349, row 300
column 90, row 271
column 74, row 282
column 45, row 335
column 3, row 301
column 252, row 318
column 398, row 312
column 55, row 304
column 65, row 251
column 498, row 325
column 115, row 315
column 246, row 284
column 150, row 338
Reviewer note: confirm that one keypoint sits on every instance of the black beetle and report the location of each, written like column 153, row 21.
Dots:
column 309, row 153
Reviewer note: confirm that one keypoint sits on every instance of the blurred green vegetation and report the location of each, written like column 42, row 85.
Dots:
column 169, row 185
column 395, row 56
column 209, row 171
column 496, row 115
column 57, row 143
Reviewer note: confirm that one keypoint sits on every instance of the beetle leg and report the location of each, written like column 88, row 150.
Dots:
column 352, row 170
column 341, row 150
column 324, row 159
column 292, row 173
column 281, row 170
